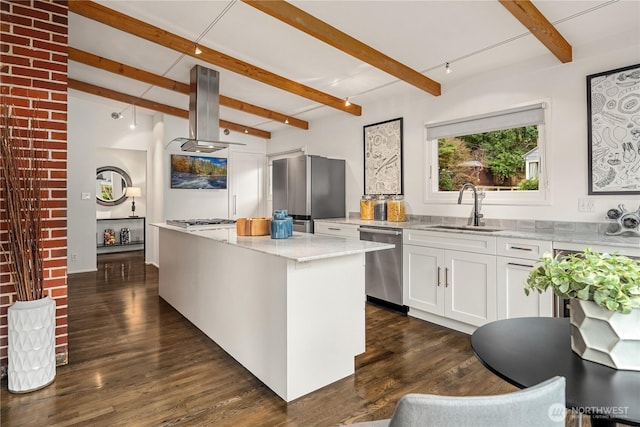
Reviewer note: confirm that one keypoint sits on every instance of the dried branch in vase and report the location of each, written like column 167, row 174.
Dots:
column 21, row 239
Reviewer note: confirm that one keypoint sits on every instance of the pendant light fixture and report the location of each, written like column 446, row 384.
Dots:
column 197, row 49
column 133, row 118
column 346, row 102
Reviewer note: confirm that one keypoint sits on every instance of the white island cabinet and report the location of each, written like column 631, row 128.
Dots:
column 291, row 311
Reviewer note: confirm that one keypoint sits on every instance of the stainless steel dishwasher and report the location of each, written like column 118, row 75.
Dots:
column 383, row 270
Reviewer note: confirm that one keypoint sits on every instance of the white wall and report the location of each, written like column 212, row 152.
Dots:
column 81, row 214
column 90, row 128
column 185, row 203
column 134, row 163
column 95, row 139
column 541, row 78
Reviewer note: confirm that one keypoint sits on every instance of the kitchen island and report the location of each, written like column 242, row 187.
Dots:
column 291, row 311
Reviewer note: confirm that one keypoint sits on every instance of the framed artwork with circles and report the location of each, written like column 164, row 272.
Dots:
column 613, row 120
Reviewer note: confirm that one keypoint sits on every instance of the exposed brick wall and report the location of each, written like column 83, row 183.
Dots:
column 33, row 80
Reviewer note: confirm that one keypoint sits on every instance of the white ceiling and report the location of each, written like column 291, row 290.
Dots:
column 474, row 36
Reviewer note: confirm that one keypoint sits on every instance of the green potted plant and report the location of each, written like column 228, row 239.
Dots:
column 31, row 318
column 602, row 288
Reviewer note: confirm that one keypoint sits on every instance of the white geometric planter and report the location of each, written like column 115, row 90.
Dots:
column 604, row 336
column 32, row 345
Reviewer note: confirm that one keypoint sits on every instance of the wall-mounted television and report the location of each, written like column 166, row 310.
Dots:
column 198, row 172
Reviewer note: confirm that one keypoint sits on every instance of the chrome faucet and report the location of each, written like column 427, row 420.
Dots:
column 475, row 214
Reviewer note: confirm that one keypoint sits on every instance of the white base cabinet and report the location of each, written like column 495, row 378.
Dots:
column 423, row 285
column 457, row 286
column 348, row 231
column 516, row 258
column 470, row 287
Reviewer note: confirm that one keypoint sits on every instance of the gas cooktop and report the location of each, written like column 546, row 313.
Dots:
column 202, row 223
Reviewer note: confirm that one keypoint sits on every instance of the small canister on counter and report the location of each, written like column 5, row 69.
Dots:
column 125, row 235
column 395, row 209
column 380, row 208
column 366, row 207
column 279, row 226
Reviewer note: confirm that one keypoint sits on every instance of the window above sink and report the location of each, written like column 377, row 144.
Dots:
column 503, row 153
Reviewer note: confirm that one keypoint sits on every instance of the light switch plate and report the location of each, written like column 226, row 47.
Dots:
column 586, row 204
column 85, row 196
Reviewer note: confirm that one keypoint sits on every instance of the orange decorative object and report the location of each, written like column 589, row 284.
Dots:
column 253, row 226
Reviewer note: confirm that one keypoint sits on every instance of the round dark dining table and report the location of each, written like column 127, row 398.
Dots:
column 526, row 351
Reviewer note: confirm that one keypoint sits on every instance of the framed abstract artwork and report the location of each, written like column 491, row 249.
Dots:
column 613, row 131
column 383, row 158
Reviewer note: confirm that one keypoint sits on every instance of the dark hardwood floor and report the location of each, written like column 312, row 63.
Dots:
column 134, row 361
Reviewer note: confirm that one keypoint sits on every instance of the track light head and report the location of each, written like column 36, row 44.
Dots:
column 447, row 68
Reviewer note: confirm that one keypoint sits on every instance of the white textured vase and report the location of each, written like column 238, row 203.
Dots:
column 32, row 344
column 604, row 336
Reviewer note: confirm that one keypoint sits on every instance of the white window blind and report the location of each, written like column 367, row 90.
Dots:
column 506, row 119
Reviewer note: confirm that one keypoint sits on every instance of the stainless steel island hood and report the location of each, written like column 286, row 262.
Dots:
column 204, row 113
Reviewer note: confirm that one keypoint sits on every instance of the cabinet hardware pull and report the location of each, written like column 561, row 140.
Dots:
column 518, row 248
column 235, row 204
column 438, row 276
column 446, row 277
column 520, row 265
column 333, row 229
column 380, row 231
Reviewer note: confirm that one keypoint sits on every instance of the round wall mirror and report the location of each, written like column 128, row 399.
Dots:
column 111, row 185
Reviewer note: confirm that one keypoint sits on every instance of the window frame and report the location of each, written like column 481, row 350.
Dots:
column 431, row 194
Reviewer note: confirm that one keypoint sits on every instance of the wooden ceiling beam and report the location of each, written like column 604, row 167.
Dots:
column 529, row 16
column 141, row 29
column 96, row 61
column 156, row 106
column 314, row 27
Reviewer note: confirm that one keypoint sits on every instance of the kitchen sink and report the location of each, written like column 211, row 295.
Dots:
column 459, row 227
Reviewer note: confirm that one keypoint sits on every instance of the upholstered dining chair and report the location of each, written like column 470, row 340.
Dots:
column 539, row 406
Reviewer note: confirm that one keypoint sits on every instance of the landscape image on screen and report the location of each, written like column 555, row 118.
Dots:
column 198, row 172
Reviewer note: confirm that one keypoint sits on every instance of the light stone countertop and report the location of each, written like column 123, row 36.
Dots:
column 560, row 239
column 301, row 247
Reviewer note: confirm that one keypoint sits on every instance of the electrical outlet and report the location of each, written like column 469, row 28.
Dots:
column 85, row 196
column 74, row 257
column 586, row 204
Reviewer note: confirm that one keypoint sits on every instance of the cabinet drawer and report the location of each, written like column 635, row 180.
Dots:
column 522, row 248
column 348, row 231
column 455, row 241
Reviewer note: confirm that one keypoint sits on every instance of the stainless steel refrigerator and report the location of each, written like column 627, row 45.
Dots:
column 309, row 187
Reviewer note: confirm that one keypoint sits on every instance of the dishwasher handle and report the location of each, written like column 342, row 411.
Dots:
column 380, row 231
